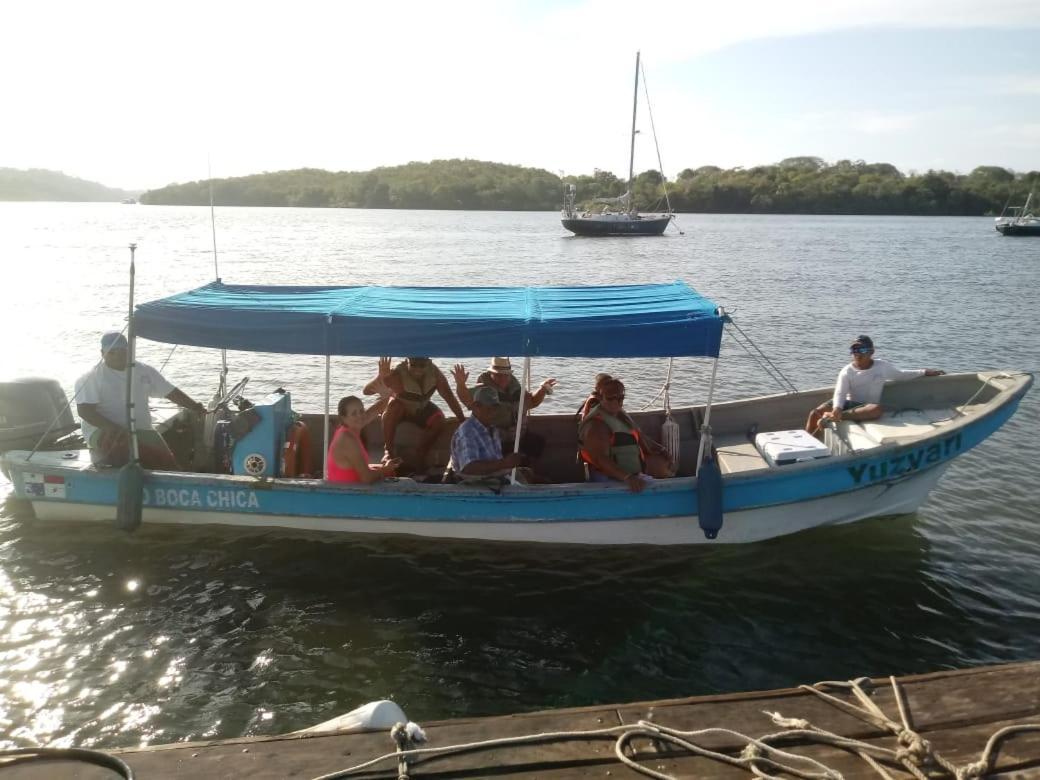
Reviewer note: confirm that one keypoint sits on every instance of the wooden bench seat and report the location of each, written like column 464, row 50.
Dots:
column 738, row 454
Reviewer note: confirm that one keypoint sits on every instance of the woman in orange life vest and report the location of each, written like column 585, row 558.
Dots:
column 348, row 458
column 613, row 446
column 594, row 398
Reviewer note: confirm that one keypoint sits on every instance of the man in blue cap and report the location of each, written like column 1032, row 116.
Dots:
column 857, row 393
column 101, row 405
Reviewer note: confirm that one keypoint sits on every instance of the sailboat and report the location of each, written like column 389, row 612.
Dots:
column 1020, row 222
column 619, row 216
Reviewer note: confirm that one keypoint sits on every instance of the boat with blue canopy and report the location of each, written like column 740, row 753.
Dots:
column 744, row 474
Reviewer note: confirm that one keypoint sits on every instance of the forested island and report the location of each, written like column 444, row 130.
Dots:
column 797, row 185
column 40, row 184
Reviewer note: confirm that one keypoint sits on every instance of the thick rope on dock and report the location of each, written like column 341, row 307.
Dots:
column 760, row 756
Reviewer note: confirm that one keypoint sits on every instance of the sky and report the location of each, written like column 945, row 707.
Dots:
column 137, row 94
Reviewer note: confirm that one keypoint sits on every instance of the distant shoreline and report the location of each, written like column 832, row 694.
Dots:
column 795, row 186
column 553, row 211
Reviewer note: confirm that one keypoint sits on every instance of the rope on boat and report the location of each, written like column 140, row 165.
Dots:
column 670, row 432
column 763, row 360
column 663, row 391
column 163, row 366
column 959, row 410
column 760, row 756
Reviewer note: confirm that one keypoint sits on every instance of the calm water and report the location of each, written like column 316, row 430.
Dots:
column 114, row 640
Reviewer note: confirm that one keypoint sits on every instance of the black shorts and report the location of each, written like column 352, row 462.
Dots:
column 426, row 416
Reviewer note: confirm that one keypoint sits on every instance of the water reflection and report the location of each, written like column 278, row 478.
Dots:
column 266, row 634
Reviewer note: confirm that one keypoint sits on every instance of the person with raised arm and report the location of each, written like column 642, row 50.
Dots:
column 412, row 383
column 857, row 393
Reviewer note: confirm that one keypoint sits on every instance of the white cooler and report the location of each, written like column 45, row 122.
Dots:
column 781, row 448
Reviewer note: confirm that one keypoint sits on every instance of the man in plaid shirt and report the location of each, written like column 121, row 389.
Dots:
column 476, row 447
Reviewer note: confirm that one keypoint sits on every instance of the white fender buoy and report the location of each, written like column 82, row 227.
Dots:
column 374, row 716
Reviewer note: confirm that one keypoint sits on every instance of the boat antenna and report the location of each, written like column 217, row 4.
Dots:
column 657, row 148
column 222, row 384
column 632, row 142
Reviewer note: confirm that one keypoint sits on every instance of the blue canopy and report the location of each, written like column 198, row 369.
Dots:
column 652, row 320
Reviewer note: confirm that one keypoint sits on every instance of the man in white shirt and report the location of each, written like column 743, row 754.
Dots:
column 857, row 393
column 101, row 405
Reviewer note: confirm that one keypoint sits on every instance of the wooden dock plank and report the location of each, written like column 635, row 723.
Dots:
column 957, row 711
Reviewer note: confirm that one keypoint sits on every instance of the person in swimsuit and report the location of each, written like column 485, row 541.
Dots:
column 348, row 458
column 412, row 383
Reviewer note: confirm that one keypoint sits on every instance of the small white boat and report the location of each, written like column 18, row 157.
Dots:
column 744, row 473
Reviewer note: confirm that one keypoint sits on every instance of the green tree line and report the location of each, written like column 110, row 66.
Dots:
column 797, row 185
column 40, row 184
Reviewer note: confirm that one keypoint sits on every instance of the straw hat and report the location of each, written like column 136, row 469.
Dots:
column 500, row 365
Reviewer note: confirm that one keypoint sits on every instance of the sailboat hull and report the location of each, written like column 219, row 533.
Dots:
column 626, row 226
column 1012, row 229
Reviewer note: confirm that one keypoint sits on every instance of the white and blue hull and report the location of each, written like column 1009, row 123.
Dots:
column 758, row 504
column 740, row 525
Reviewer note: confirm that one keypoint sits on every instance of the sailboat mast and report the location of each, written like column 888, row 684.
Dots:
column 1025, row 208
column 632, row 143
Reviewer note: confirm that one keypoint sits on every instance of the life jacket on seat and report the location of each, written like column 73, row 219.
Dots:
column 625, row 449
column 417, row 391
column 297, row 458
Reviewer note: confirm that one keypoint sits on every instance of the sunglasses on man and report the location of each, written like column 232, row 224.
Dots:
column 860, row 350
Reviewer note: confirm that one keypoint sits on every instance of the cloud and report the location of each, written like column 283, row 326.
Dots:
column 679, row 30
column 865, row 121
column 1021, row 136
column 1015, row 85
column 138, row 94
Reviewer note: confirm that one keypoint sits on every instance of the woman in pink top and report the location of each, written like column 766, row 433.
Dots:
column 348, row 458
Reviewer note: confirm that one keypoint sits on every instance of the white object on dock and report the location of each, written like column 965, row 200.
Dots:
column 374, row 716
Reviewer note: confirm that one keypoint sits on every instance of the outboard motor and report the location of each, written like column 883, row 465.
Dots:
column 29, row 408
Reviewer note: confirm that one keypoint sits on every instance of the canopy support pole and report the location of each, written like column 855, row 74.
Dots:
column 706, row 425
column 520, row 412
column 131, row 411
column 325, row 436
column 222, row 383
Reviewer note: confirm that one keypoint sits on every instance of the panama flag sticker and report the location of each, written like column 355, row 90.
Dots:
column 43, row 485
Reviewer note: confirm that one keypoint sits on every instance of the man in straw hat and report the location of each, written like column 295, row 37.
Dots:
column 499, row 376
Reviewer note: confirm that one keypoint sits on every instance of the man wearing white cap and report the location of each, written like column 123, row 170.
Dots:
column 101, row 405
